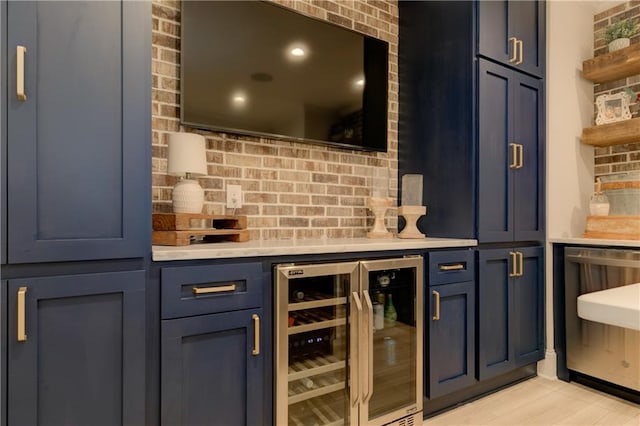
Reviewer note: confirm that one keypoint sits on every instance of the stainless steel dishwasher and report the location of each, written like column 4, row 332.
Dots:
column 596, row 349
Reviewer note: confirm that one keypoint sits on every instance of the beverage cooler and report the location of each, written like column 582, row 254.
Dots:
column 349, row 343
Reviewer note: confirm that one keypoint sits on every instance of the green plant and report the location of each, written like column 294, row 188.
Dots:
column 625, row 28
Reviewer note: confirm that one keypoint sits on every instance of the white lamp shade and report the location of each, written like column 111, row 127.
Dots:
column 187, row 154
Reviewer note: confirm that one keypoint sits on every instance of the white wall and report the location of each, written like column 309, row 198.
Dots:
column 569, row 110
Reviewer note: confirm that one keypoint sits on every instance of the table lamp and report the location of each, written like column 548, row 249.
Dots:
column 188, row 160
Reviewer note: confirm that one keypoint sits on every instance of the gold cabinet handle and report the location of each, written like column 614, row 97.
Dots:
column 216, row 289
column 520, row 46
column 514, row 156
column 514, row 49
column 520, row 264
column 514, row 266
column 436, row 317
column 21, row 332
column 256, row 335
column 355, row 344
column 456, row 267
column 20, row 51
column 520, row 150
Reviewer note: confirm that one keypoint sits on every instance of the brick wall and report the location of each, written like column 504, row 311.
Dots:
column 291, row 190
column 619, row 158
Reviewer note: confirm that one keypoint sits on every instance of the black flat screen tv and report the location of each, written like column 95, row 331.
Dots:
column 256, row 68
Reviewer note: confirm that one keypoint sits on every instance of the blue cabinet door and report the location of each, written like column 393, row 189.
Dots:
column 78, row 142
column 450, row 356
column 510, row 140
column 512, row 32
column 511, row 307
column 528, row 308
column 76, row 350
column 210, row 371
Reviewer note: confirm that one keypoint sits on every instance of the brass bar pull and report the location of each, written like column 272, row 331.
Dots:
column 514, row 267
column 369, row 350
column 514, row 156
column 514, row 49
column 355, row 344
column 217, row 289
column 520, row 51
column 21, row 332
column 520, row 150
column 256, row 335
column 20, row 51
column 520, row 264
column 456, row 267
column 436, row 317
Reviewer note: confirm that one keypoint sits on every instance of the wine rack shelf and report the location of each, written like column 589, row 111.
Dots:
column 314, row 366
column 322, row 385
column 317, row 325
column 320, row 303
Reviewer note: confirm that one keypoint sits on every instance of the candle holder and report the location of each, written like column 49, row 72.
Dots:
column 379, row 206
column 411, row 215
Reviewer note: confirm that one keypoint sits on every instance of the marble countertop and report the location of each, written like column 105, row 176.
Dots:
column 595, row 242
column 298, row 247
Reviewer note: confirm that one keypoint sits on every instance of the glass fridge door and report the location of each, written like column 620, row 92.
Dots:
column 392, row 297
column 317, row 312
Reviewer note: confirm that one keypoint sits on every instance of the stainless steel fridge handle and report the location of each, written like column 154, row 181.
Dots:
column 369, row 346
column 354, row 344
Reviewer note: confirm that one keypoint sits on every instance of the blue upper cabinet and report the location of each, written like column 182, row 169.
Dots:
column 512, row 33
column 510, row 136
column 78, row 130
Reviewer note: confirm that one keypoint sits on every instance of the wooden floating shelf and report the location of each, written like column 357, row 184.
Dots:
column 613, row 66
column 618, row 133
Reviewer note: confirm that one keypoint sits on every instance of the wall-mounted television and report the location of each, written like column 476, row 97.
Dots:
column 256, row 68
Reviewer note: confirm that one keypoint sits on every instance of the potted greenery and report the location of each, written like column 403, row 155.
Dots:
column 617, row 35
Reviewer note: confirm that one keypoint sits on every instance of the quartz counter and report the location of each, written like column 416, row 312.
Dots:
column 300, row 247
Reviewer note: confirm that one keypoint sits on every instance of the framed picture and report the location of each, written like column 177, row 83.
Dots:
column 612, row 108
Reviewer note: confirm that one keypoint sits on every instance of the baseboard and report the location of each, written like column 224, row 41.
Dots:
column 548, row 367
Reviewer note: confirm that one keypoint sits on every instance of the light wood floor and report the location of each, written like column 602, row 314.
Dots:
column 543, row 402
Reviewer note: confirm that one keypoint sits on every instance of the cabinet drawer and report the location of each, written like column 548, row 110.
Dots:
column 450, row 267
column 196, row 290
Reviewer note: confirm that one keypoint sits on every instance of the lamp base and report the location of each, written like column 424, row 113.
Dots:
column 187, row 196
column 411, row 215
column 379, row 206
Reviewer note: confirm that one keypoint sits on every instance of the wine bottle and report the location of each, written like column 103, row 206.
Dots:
column 390, row 314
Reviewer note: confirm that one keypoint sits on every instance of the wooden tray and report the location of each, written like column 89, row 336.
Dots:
column 623, row 227
column 182, row 229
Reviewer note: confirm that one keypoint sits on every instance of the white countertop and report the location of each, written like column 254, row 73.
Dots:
column 595, row 242
column 619, row 306
column 298, row 247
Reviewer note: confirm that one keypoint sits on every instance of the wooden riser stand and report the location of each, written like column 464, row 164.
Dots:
column 182, row 229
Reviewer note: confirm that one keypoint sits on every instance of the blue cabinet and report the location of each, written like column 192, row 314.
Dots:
column 474, row 128
column 512, row 33
column 216, row 344
column 76, row 349
column 78, row 130
column 213, row 369
column 450, row 323
column 511, row 158
column 510, row 294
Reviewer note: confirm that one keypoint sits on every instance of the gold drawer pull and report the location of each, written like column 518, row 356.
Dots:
column 456, row 267
column 20, row 51
column 217, row 289
column 436, row 317
column 22, row 334
column 514, row 49
column 256, row 335
column 521, row 52
column 514, row 265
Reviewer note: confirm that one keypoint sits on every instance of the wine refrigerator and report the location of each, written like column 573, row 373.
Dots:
column 349, row 343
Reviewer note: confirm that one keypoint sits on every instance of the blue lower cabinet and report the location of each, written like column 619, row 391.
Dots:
column 451, row 351
column 76, row 349
column 213, row 369
column 510, row 300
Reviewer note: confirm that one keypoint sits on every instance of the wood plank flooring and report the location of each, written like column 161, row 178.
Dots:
column 543, row 402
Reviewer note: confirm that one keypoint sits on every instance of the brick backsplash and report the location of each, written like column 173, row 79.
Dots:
column 619, row 158
column 291, row 190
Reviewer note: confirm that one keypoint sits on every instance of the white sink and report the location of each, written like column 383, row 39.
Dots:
column 618, row 306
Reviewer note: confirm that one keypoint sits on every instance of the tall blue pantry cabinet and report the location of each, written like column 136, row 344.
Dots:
column 76, row 130
column 471, row 121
